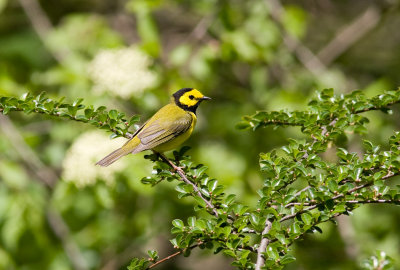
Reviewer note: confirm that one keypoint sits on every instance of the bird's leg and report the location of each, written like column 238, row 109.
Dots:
column 163, row 157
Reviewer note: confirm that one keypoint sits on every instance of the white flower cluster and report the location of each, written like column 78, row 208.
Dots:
column 79, row 163
column 122, row 72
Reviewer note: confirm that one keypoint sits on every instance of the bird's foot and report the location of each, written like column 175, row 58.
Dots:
column 176, row 168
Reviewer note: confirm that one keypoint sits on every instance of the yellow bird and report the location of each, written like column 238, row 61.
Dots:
column 166, row 130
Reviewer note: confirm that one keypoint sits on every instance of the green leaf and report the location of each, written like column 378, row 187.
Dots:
column 230, row 199
column 272, row 253
column 138, row 264
column 332, row 185
column 229, row 253
column 199, row 171
column 288, row 199
column 153, row 254
column 212, row 185
column 243, row 125
column 378, row 175
column 134, row 119
column 287, row 259
column 201, row 224
column 192, row 221
column 307, row 218
column 178, row 223
column 113, row 114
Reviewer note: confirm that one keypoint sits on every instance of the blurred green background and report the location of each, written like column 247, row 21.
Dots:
column 58, row 211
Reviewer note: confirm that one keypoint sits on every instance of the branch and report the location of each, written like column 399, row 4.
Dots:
column 187, row 181
column 282, row 123
column 171, row 256
column 373, row 201
column 308, row 118
column 74, row 118
column 376, row 108
column 165, row 259
column 99, row 117
column 200, row 30
column 388, row 175
column 339, row 214
column 301, row 191
column 350, row 202
column 263, row 245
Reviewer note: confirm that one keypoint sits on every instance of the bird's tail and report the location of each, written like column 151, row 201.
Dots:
column 112, row 157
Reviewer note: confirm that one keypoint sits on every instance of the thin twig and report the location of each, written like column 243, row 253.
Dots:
column 282, row 123
column 263, row 245
column 373, row 201
column 200, row 30
column 301, row 191
column 187, row 181
column 171, row 256
column 297, row 203
column 165, row 259
column 180, row 252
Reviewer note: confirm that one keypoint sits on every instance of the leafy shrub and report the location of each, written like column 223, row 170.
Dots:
column 301, row 188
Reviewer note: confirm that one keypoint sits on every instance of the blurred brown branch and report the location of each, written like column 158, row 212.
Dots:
column 343, row 40
column 28, row 156
column 200, row 30
column 347, row 234
column 42, row 26
column 304, row 54
column 349, row 35
column 37, row 16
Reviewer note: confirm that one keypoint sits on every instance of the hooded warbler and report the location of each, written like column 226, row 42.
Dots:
column 167, row 129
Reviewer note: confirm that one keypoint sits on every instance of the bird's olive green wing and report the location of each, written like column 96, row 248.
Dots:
column 136, row 132
column 162, row 130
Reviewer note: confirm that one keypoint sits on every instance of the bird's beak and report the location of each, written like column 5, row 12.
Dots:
column 205, row 98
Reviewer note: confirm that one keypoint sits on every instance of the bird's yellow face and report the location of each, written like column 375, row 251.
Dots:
column 189, row 99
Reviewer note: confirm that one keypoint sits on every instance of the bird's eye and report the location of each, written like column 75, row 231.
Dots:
column 191, row 97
